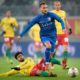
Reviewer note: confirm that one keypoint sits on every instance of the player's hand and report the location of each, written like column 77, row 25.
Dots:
column 70, row 31
column 2, row 33
column 18, row 37
column 16, row 68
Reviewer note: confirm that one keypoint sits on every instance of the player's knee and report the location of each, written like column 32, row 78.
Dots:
column 8, row 45
column 65, row 47
column 48, row 45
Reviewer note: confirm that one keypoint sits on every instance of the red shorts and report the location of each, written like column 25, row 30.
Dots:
column 38, row 66
column 34, row 70
column 8, row 39
column 38, row 44
column 62, row 39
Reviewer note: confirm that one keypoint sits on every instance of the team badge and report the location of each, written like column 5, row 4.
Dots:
column 49, row 19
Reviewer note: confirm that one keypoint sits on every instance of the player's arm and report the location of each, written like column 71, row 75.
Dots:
column 28, row 26
column 1, row 23
column 1, row 27
column 68, row 26
column 9, row 73
column 54, row 16
column 15, row 23
column 24, row 65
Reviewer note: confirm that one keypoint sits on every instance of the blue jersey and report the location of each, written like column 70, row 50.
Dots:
column 46, row 23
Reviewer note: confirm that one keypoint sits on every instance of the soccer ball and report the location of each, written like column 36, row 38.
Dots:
column 73, row 72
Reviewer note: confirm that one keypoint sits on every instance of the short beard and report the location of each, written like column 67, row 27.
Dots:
column 22, row 60
column 44, row 12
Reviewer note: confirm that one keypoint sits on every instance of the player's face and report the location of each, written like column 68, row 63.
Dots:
column 20, row 58
column 57, row 5
column 8, row 14
column 44, row 8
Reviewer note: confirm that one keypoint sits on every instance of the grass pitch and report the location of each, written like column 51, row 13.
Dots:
column 61, row 74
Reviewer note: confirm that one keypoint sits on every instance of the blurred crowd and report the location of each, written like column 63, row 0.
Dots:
column 28, row 7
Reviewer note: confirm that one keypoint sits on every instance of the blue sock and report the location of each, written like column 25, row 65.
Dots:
column 47, row 54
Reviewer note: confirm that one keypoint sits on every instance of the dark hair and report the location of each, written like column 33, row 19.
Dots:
column 42, row 3
column 17, row 53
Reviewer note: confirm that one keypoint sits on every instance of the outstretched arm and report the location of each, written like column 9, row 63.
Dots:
column 27, row 27
column 9, row 73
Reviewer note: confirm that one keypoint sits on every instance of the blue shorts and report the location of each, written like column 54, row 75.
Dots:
column 51, row 40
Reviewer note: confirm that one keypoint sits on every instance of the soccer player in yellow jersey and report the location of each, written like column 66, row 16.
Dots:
column 8, row 23
column 25, row 66
column 28, row 68
column 62, row 38
column 35, row 36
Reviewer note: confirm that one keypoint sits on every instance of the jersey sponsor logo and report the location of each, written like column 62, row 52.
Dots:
column 46, row 24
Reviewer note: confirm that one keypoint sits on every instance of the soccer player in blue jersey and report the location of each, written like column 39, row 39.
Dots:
column 48, row 34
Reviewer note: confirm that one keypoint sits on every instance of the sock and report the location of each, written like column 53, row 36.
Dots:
column 53, row 54
column 47, row 55
column 65, row 54
column 55, row 61
column 8, row 54
column 44, row 74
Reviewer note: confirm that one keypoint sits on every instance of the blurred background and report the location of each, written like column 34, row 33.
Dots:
column 25, row 10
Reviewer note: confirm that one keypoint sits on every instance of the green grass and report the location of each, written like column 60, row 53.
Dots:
column 62, row 74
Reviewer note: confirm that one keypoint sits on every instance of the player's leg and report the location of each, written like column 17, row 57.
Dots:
column 37, row 72
column 65, row 52
column 47, row 44
column 52, row 53
column 53, row 60
column 47, row 74
column 38, row 46
column 8, row 49
column 65, row 56
column 48, row 50
column 56, row 46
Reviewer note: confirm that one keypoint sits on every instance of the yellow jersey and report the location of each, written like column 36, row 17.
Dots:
column 26, row 66
column 34, row 33
column 7, row 25
column 61, row 14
